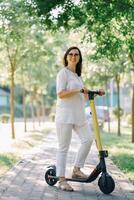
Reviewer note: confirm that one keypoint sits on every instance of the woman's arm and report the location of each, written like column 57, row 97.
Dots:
column 68, row 93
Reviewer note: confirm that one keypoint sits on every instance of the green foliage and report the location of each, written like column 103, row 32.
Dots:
column 108, row 23
column 12, row 21
column 118, row 112
column 4, row 117
column 121, row 152
column 28, row 47
column 111, row 23
column 129, row 119
column 46, row 6
column 8, row 160
column 57, row 13
column 122, row 160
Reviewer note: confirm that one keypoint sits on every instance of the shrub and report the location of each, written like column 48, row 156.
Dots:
column 129, row 119
column 117, row 112
column 4, row 118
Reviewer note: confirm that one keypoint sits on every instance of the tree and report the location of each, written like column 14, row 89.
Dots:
column 108, row 23
column 12, row 36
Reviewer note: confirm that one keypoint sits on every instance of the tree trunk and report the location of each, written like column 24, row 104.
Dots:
column 133, row 112
column 12, row 59
column 37, row 104
column 117, row 78
column 12, row 102
column 24, row 111
column 32, row 110
column 109, row 128
column 38, row 113
column 132, row 60
column 42, row 107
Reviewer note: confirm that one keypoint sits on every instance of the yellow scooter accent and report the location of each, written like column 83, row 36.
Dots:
column 96, row 126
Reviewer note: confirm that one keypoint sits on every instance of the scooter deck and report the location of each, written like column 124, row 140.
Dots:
column 77, row 180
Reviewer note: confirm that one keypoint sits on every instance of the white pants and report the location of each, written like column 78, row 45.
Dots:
column 64, row 134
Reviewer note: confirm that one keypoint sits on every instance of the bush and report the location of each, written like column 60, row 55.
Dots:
column 117, row 112
column 129, row 119
column 4, row 118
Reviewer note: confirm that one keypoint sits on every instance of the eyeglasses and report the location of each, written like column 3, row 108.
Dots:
column 75, row 55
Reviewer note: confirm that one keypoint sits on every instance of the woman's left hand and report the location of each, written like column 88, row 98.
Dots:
column 85, row 90
column 86, row 93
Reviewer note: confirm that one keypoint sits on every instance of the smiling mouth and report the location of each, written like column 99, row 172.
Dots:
column 73, row 60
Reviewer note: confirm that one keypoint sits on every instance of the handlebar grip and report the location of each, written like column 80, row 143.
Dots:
column 97, row 92
column 101, row 93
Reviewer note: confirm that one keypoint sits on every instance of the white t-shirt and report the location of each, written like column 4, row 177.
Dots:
column 70, row 109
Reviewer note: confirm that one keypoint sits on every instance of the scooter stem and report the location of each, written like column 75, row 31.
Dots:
column 96, row 126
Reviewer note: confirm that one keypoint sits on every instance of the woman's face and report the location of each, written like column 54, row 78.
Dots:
column 73, row 57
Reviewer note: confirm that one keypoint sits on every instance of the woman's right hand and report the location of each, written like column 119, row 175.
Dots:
column 102, row 92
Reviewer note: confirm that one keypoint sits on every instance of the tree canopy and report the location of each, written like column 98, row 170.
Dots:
column 109, row 22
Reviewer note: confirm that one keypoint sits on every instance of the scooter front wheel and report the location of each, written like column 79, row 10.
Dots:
column 49, row 176
column 106, row 183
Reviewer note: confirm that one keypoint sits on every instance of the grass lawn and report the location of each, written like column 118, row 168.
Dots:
column 7, row 160
column 19, row 147
column 121, row 151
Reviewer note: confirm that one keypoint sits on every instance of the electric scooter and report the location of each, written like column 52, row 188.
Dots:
column 105, row 182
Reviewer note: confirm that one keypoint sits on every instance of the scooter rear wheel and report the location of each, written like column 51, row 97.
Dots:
column 106, row 183
column 50, row 172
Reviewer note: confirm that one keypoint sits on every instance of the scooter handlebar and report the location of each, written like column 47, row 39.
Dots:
column 94, row 92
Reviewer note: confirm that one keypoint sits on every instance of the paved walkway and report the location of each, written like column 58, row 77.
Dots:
column 25, row 181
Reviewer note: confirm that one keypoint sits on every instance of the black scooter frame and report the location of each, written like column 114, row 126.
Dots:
column 106, row 182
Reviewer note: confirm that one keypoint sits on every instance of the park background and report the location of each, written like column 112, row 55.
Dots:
column 34, row 36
